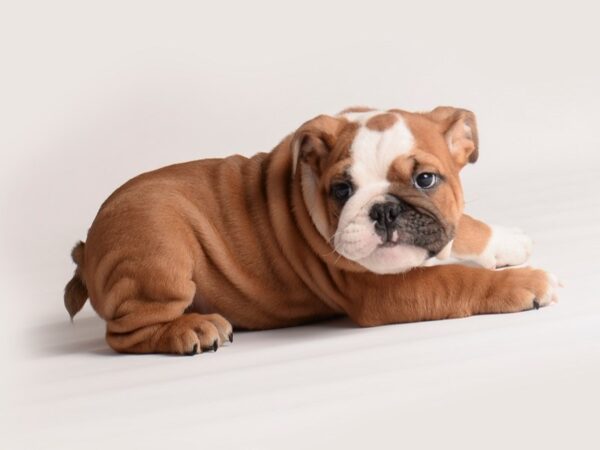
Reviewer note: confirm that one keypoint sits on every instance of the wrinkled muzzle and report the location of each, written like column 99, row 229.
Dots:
column 386, row 234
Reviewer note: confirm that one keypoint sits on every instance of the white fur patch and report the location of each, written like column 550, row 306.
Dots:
column 355, row 237
column 373, row 152
column 506, row 247
column 550, row 297
column 360, row 117
column 399, row 258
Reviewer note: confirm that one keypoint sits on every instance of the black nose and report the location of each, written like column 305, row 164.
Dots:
column 384, row 214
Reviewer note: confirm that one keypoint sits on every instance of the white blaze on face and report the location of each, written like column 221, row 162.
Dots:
column 372, row 153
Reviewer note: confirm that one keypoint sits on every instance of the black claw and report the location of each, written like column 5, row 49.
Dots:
column 194, row 350
column 230, row 337
column 536, row 304
column 215, row 346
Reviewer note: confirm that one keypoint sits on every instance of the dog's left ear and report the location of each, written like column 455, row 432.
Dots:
column 460, row 130
column 314, row 140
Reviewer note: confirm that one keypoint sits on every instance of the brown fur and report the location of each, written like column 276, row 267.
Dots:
column 382, row 122
column 473, row 236
column 75, row 292
column 356, row 109
column 453, row 122
column 174, row 252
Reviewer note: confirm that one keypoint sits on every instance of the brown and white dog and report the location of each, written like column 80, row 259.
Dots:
column 341, row 218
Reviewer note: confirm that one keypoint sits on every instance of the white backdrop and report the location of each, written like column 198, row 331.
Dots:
column 93, row 93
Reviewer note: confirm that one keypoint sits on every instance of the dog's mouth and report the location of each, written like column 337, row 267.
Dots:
column 390, row 235
column 415, row 226
column 395, row 237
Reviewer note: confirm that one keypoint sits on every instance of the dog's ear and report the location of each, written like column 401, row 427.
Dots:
column 459, row 127
column 314, row 140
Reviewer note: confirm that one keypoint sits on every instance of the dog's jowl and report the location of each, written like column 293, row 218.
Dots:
column 343, row 217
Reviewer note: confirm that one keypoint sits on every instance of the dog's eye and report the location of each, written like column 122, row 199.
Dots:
column 426, row 180
column 341, row 191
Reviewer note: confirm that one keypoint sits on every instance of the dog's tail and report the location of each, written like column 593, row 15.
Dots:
column 76, row 293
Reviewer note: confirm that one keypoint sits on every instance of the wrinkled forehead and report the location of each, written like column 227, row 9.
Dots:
column 380, row 138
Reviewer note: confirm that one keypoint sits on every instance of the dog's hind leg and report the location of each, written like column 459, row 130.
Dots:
column 149, row 312
column 141, row 328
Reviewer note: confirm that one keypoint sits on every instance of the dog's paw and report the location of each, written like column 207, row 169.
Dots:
column 522, row 289
column 195, row 333
column 506, row 247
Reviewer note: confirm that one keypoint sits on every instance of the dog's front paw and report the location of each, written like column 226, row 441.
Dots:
column 506, row 247
column 521, row 289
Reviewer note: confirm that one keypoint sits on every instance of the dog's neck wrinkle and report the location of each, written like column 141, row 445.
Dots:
column 308, row 230
column 307, row 252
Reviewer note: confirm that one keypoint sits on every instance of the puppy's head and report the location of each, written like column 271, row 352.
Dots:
column 382, row 187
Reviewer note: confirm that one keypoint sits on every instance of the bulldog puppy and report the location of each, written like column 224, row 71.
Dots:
column 339, row 219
